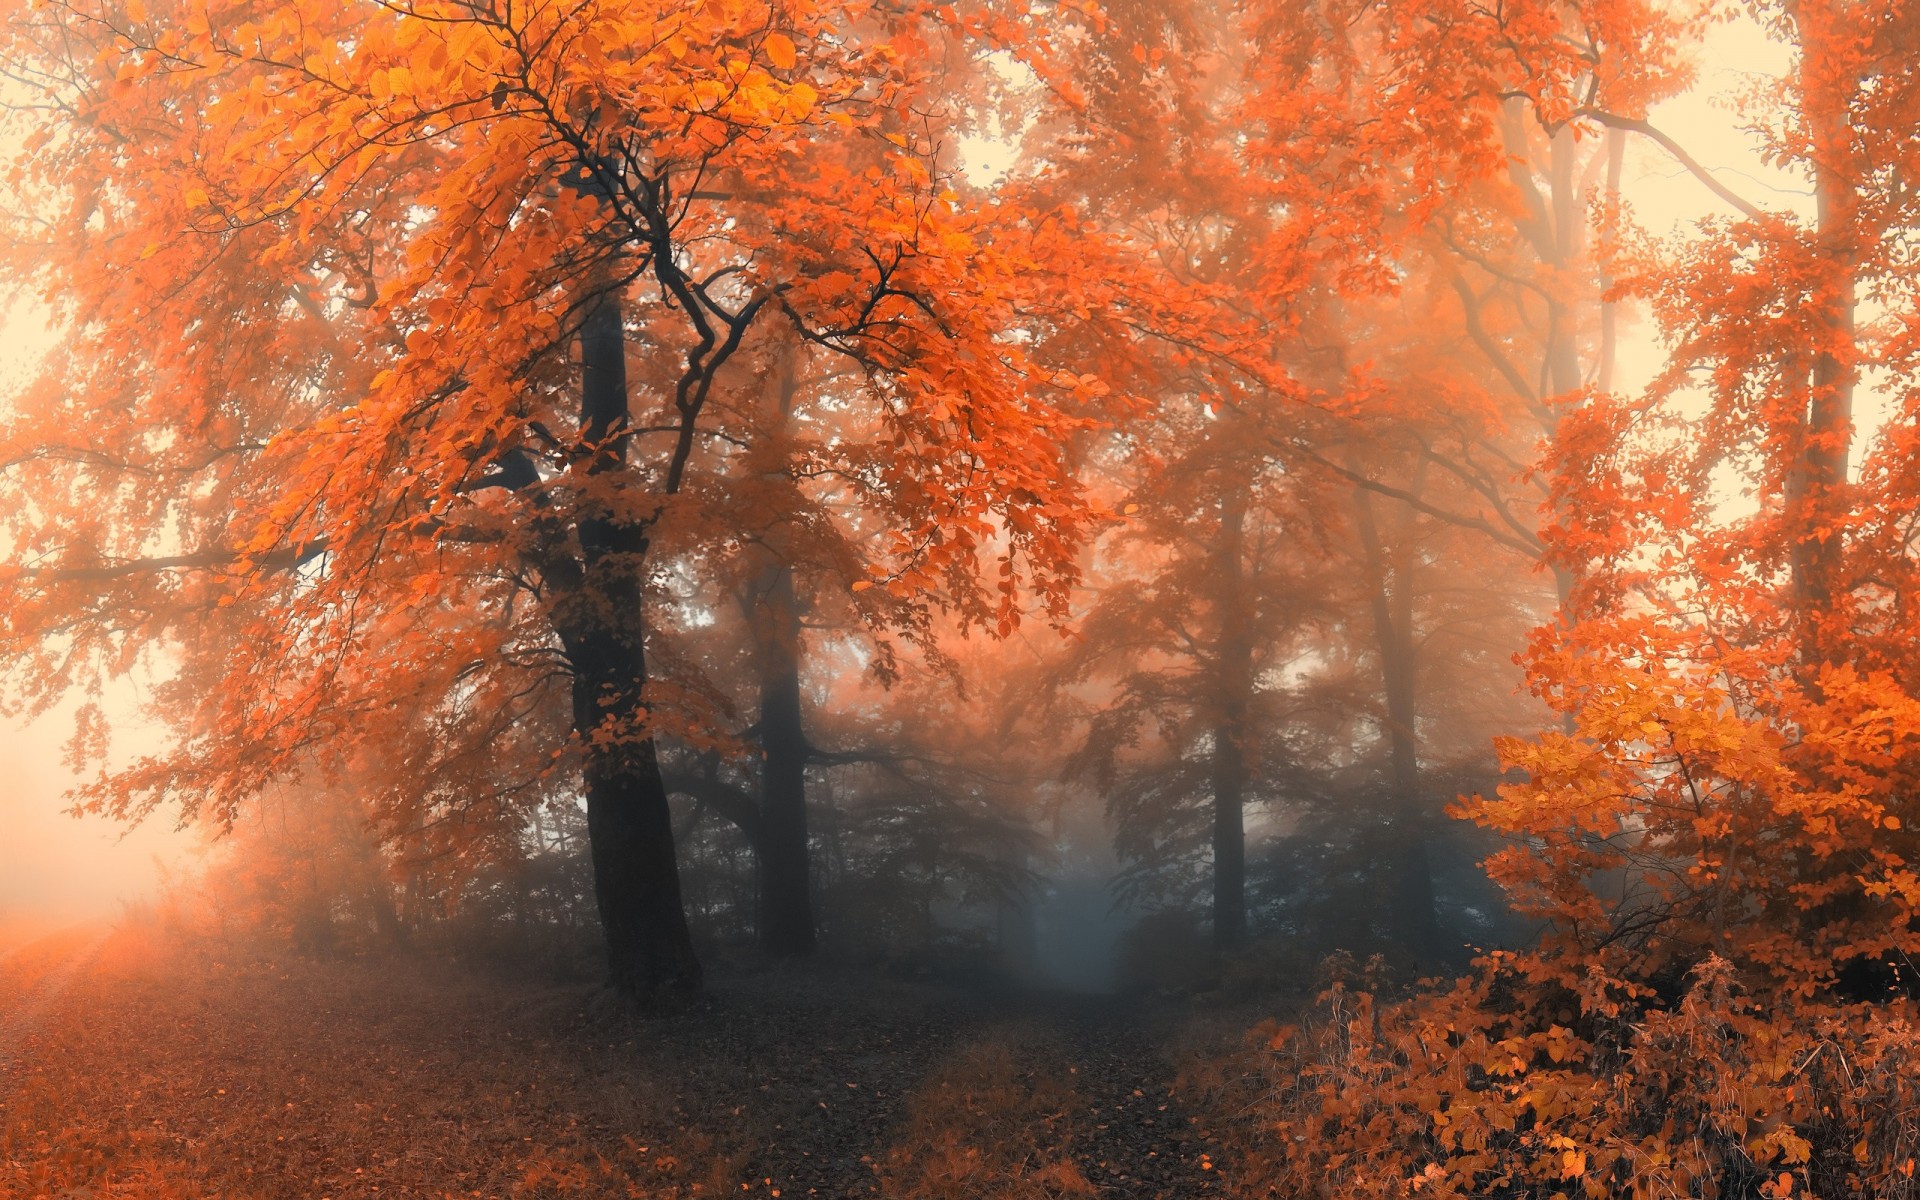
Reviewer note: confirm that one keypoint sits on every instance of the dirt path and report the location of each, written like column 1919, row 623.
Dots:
column 929, row 1094
column 16, row 934
column 1131, row 1135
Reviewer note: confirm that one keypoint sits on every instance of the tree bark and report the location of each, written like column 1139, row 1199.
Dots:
column 636, row 876
column 785, row 924
column 1816, row 490
column 1229, row 767
column 1391, row 587
column 1229, row 839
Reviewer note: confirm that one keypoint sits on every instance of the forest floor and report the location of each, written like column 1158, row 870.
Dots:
column 139, row 1065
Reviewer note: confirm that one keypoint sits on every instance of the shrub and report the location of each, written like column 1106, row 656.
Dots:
column 1510, row 1083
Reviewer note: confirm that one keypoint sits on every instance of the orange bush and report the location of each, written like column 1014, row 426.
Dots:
column 1510, row 1084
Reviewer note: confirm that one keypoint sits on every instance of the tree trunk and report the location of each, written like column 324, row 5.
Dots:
column 386, row 914
column 1821, row 386
column 636, row 877
column 1391, row 587
column 1229, row 767
column 1816, row 490
column 1610, row 308
column 1229, row 839
column 1569, row 223
column 785, row 922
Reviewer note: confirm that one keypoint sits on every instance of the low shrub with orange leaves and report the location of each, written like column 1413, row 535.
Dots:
column 1515, row 1083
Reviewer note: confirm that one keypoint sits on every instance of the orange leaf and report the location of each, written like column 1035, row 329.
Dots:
column 780, row 51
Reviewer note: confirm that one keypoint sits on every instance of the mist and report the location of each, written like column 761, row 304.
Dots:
column 58, row 868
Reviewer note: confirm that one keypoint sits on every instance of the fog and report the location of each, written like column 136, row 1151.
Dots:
column 55, row 866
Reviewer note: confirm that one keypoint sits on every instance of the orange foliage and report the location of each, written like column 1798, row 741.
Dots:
column 1718, row 839
column 316, row 446
column 1737, row 676
column 1511, row 1085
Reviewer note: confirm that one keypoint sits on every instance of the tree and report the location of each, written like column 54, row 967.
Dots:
column 1720, row 835
column 1739, row 678
column 793, row 559
column 918, row 811
column 398, row 225
column 1197, row 663
column 1451, row 309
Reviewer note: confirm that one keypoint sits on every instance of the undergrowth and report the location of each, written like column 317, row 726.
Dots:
column 1516, row 1083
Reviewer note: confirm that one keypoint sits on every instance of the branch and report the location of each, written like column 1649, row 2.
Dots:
column 1641, row 126
column 735, row 804
column 287, row 559
column 1485, row 487
column 844, row 758
column 1477, row 330
column 1529, row 546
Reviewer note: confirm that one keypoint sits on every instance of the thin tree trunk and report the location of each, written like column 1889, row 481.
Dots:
column 1821, row 385
column 1391, row 588
column 1817, row 490
column 1229, row 840
column 786, row 904
column 1569, row 223
column 1229, row 767
column 1610, row 309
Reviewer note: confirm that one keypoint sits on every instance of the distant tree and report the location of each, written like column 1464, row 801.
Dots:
column 1451, row 316
column 1718, row 839
column 1200, row 665
column 917, row 810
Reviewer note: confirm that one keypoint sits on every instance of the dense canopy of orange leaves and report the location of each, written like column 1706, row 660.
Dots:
column 324, row 269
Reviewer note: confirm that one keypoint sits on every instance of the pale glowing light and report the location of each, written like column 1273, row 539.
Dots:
column 53, row 865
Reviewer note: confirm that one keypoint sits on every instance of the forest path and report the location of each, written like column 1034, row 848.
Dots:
column 909, row 1091
column 1132, row 1136
column 36, row 972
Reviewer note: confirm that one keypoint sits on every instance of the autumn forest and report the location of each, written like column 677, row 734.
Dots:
column 1005, row 598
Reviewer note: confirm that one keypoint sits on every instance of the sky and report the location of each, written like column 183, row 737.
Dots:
column 1707, row 121
column 58, row 865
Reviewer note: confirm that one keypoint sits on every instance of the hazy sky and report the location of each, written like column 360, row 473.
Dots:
column 1708, row 122
column 58, row 865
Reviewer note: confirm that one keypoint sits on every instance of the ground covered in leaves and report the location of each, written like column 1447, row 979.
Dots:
column 138, row 1065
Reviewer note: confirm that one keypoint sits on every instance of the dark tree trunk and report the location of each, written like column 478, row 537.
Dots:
column 1229, row 839
column 1390, row 582
column 386, row 914
column 1822, row 385
column 636, row 878
column 785, row 922
column 1229, row 768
